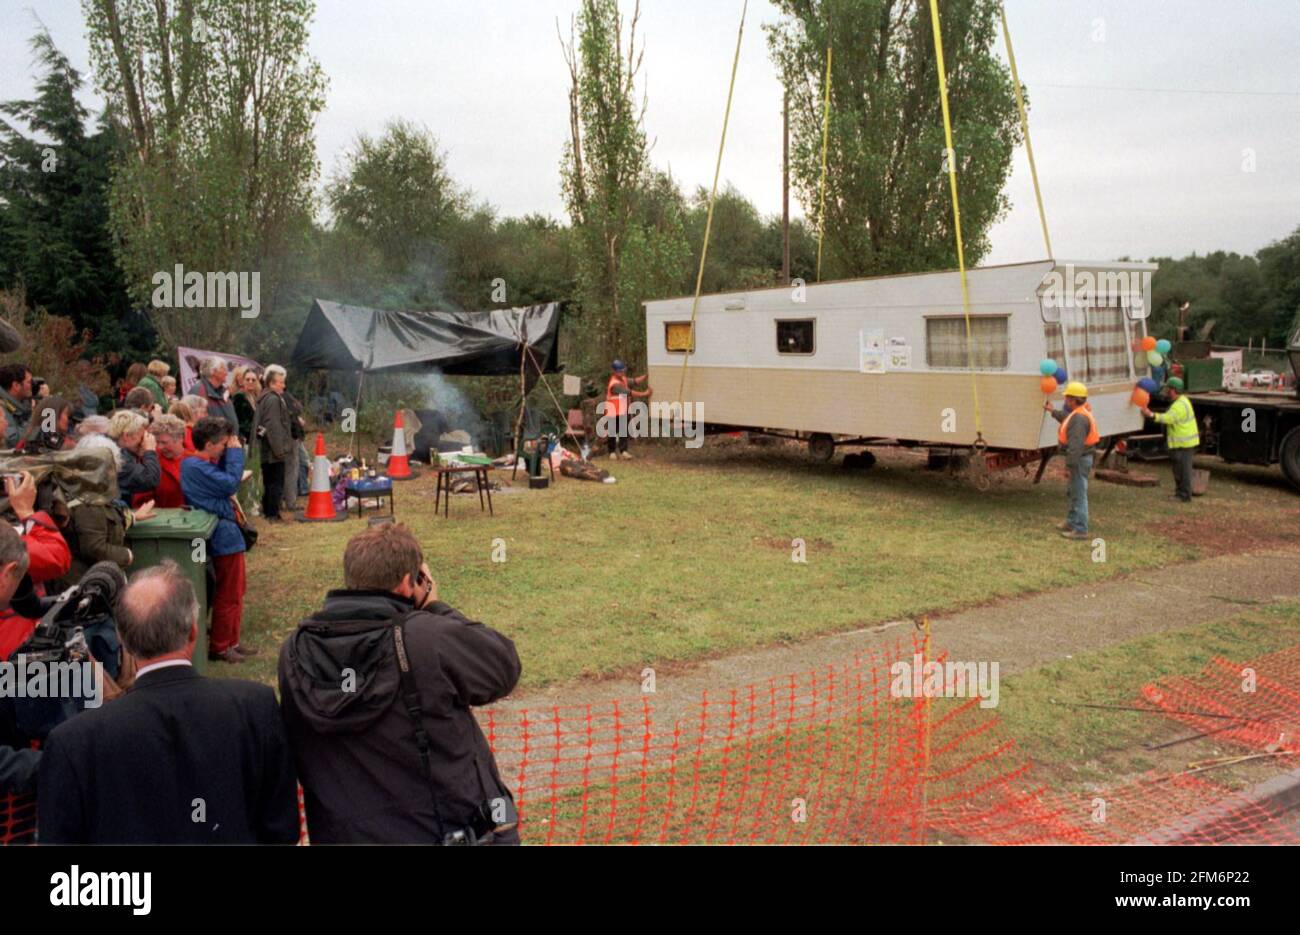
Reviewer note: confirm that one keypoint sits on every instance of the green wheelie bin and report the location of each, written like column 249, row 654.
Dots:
column 180, row 535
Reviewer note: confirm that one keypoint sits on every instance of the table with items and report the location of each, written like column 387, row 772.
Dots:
column 378, row 488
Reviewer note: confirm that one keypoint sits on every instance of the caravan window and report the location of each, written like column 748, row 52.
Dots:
column 796, row 336
column 679, row 337
column 945, row 342
column 1092, row 342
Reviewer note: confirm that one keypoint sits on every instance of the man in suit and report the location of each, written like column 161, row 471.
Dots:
column 179, row 759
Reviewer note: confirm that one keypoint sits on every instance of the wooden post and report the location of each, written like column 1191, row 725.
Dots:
column 785, row 190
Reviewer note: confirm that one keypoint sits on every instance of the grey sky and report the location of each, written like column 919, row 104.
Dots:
column 1123, row 172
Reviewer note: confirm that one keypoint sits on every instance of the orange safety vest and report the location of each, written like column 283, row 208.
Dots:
column 615, row 403
column 1094, row 436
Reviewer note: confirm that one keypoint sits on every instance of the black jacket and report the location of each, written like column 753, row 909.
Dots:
column 356, row 753
column 133, row 770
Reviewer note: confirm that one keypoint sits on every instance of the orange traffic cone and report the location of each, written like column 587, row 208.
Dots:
column 399, row 463
column 320, row 503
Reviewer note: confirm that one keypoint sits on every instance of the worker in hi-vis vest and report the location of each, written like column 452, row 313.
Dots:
column 1181, row 436
column 617, row 394
column 1078, row 437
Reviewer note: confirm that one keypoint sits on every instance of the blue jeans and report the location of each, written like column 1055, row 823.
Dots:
column 1077, row 494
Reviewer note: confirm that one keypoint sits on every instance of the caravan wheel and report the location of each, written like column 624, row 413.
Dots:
column 821, row 447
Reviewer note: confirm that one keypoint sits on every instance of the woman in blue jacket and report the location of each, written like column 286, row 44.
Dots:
column 210, row 481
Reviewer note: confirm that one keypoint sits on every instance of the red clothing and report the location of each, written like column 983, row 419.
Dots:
column 227, row 602
column 168, row 492
column 48, row 558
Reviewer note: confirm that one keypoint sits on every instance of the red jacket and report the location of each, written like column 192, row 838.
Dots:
column 48, row 558
column 168, row 492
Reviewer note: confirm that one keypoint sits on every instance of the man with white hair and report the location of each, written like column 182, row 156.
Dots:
column 179, row 759
column 212, row 388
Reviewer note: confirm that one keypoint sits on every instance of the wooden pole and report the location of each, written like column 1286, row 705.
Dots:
column 785, row 190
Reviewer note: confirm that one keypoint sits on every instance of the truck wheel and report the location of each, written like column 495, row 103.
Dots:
column 821, row 447
column 1290, row 457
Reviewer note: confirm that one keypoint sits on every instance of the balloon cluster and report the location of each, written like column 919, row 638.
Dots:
column 1155, row 351
column 1053, row 375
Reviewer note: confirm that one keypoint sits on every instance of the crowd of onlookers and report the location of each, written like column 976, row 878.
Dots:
column 376, row 688
column 374, row 718
column 167, row 450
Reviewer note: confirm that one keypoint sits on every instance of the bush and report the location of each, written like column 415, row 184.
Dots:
column 52, row 348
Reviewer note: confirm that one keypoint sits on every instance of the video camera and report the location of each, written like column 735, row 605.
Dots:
column 74, row 627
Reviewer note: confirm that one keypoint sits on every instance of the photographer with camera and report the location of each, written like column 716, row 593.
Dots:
column 180, row 759
column 47, row 552
column 18, row 762
column 138, row 469
column 49, row 428
column 376, row 690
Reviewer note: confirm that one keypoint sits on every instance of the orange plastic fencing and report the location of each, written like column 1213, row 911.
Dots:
column 1255, row 704
column 836, row 756
column 17, row 819
column 833, row 756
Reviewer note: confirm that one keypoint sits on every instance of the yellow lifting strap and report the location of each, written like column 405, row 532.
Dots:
column 821, row 186
column 708, row 221
column 1024, row 126
column 956, row 215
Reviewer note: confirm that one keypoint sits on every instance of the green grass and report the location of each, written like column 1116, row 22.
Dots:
column 689, row 554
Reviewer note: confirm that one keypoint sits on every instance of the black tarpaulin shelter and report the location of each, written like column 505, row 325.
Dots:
column 370, row 340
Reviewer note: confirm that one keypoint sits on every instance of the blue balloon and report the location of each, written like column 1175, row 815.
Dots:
column 1163, row 346
column 1060, row 375
column 1047, row 367
column 1148, row 384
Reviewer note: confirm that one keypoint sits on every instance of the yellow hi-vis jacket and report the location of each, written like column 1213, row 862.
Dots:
column 1180, row 424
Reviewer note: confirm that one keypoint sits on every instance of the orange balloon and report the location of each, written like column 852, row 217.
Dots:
column 1140, row 397
column 1148, row 343
column 1047, row 385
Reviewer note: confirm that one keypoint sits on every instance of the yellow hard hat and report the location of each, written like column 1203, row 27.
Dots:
column 1075, row 388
